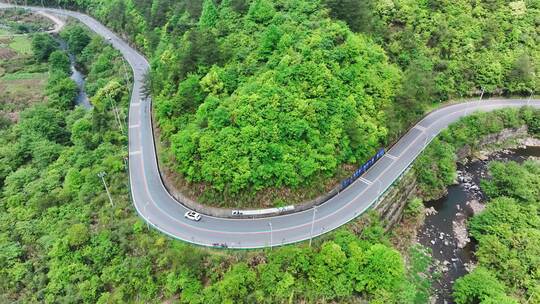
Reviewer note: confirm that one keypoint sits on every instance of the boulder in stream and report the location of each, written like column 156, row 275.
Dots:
column 530, row 142
column 476, row 206
column 430, row 211
column 459, row 227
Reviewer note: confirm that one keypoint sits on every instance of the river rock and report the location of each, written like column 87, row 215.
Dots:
column 482, row 155
column 460, row 230
column 430, row 211
column 469, row 267
column 530, row 142
column 476, row 206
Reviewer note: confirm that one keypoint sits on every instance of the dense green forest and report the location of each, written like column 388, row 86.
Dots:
column 262, row 94
column 508, row 233
column 61, row 241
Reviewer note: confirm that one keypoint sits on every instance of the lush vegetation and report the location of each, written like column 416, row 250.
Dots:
column 253, row 95
column 452, row 49
column 49, row 192
column 508, row 234
column 508, row 231
column 436, row 167
column 62, row 241
column 282, row 108
column 300, row 95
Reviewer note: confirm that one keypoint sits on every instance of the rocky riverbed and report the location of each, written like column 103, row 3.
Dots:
column 445, row 225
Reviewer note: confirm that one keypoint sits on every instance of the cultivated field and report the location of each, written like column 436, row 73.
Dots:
column 22, row 79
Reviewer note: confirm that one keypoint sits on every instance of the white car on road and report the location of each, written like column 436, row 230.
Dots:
column 192, row 215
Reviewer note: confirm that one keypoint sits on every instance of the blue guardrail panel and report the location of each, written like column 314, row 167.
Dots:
column 362, row 169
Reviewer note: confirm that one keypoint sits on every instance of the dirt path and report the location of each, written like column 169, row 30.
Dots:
column 58, row 23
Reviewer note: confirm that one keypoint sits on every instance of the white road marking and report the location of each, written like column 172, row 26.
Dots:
column 134, row 126
column 365, row 181
column 419, row 127
column 391, row 156
column 135, row 152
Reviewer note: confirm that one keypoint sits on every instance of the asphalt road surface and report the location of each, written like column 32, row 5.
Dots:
column 159, row 209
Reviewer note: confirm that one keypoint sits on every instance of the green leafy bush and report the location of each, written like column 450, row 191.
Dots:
column 480, row 286
column 521, row 182
column 42, row 46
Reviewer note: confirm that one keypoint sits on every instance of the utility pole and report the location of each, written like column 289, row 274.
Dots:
column 467, row 107
column 530, row 97
column 271, row 241
column 312, row 225
column 126, row 162
column 482, row 94
column 102, row 176
column 117, row 114
column 126, row 77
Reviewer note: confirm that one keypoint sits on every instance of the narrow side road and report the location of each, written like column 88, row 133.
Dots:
column 58, row 23
column 159, row 209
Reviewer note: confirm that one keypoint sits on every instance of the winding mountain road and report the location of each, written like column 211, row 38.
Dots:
column 159, row 209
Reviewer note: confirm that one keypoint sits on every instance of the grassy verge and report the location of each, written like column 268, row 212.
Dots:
column 4, row 32
column 22, row 79
column 21, row 44
column 24, row 76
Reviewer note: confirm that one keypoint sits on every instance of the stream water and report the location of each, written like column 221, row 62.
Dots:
column 78, row 77
column 437, row 232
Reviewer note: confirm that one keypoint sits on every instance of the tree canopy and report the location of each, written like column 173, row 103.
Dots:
column 61, row 241
column 253, row 95
column 277, row 109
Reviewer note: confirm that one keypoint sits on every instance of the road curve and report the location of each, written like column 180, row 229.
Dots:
column 58, row 24
column 159, row 209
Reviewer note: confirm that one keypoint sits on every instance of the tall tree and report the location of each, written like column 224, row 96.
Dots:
column 42, row 46
column 209, row 15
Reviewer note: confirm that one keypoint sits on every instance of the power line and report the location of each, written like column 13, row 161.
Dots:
column 102, row 176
